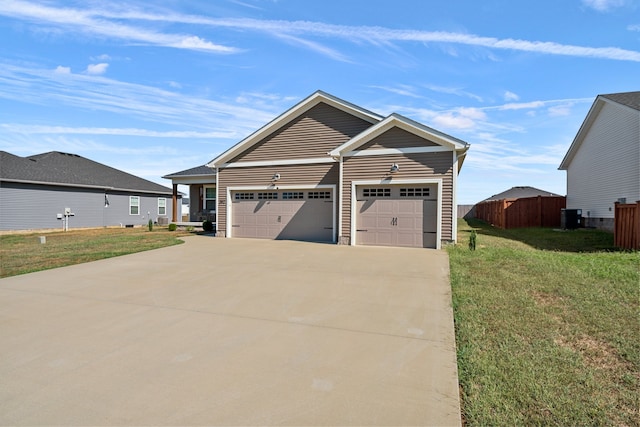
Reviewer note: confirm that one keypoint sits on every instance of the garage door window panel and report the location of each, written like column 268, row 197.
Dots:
column 292, row 195
column 243, row 196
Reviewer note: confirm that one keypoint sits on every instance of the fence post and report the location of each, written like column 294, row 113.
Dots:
column 636, row 226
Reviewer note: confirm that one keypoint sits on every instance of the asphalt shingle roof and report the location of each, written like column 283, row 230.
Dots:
column 55, row 167
column 521, row 192
column 198, row 170
column 630, row 99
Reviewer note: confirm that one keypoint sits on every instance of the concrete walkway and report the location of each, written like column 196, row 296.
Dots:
column 232, row 332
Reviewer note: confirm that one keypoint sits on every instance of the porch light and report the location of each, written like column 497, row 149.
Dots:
column 394, row 168
column 275, row 177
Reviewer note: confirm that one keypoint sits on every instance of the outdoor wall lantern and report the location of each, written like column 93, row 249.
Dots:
column 275, row 177
column 394, row 168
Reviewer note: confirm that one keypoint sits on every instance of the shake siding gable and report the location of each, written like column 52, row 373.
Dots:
column 312, row 134
column 412, row 166
column 397, row 138
column 606, row 167
column 260, row 177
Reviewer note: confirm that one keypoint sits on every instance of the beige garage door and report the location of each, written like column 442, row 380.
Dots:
column 291, row 215
column 394, row 215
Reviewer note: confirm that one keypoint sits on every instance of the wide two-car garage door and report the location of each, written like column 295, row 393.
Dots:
column 283, row 214
column 397, row 215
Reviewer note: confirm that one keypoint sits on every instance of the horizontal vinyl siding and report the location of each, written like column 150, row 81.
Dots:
column 33, row 207
column 397, row 138
column 312, row 134
column 412, row 166
column 606, row 166
column 290, row 175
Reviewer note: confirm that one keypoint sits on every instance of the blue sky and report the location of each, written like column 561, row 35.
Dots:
column 156, row 87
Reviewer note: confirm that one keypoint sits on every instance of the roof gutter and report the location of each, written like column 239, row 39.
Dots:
column 96, row 187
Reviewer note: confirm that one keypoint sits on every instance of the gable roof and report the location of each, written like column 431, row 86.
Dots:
column 630, row 99
column 521, row 192
column 203, row 170
column 300, row 108
column 397, row 120
column 72, row 170
column 624, row 99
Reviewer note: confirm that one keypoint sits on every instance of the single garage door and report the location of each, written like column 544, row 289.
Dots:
column 397, row 215
column 283, row 214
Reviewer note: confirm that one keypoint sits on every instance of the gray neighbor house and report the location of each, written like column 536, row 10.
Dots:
column 36, row 190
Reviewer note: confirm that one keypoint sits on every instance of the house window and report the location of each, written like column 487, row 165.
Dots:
column 134, row 205
column 210, row 199
column 267, row 196
column 162, row 206
column 292, row 195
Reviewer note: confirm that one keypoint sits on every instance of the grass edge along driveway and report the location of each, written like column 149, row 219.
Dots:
column 546, row 327
column 22, row 253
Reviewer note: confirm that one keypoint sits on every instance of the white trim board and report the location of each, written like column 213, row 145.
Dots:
column 284, row 162
column 392, row 151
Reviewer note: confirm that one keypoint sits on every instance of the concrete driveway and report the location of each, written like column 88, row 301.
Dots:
column 232, row 332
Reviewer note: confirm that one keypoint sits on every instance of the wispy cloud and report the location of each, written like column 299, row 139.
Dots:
column 83, row 91
column 106, row 22
column 65, row 130
column 510, row 96
column 400, row 89
column 634, row 27
column 314, row 46
column 98, row 22
column 604, row 5
column 97, row 69
column 454, row 91
column 385, row 36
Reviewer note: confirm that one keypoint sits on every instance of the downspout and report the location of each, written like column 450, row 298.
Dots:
column 339, row 195
column 454, row 208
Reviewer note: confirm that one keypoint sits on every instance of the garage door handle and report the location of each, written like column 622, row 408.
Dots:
column 361, row 230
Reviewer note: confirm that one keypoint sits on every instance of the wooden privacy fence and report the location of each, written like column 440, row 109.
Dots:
column 525, row 212
column 626, row 230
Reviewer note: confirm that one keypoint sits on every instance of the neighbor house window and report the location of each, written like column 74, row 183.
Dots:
column 210, row 198
column 134, row 205
column 162, row 206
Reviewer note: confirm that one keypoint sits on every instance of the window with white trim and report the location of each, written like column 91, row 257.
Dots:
column 243, row 196
column 414, row 192
column 134, row 205
column 376, row 192
column 267, row 196
column 162, row 206
column 319, row 194
column 292, row 195
column 210, row 199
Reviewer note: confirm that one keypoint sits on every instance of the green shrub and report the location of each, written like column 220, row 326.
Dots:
column 472, row 240
column 207, row 226
column 150, row 225
column 173, row 226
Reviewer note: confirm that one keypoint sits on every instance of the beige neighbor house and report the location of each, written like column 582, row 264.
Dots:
column 603, row 162
column 329, row 171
